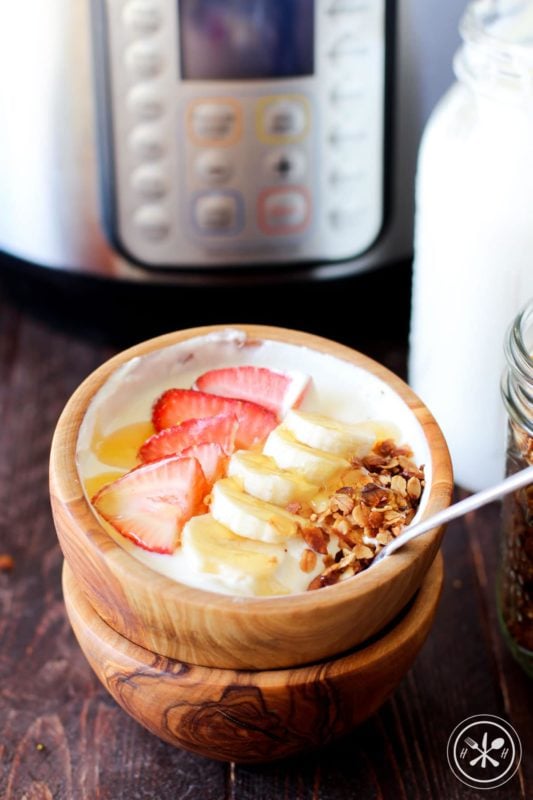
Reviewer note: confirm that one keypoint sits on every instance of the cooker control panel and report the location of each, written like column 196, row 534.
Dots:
column 242, row 133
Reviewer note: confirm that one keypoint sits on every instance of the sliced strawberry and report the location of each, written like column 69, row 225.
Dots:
column 150, row 504
column 172, row 441
column 212, row 458
column 277, row 391
column 176, row 405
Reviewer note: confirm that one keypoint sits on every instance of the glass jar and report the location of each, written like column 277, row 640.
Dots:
column 515, row 585
column 472, row 267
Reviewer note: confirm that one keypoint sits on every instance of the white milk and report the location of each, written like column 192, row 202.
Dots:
column 473, row 266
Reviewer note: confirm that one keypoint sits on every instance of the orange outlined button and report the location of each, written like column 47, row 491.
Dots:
column 283, row 211
column 215, row 121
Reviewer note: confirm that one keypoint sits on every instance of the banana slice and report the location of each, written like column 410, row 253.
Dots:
column 249, row 517
column 262, row 478
column 316, row 466
column 323, row 433
column 247, row 566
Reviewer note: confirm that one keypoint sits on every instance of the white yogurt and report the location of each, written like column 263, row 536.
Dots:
column 339, row 389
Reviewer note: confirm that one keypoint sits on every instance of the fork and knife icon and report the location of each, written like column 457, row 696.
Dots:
column 496, row 744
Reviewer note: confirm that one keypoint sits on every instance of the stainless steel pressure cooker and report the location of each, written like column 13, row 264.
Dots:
column 181, row 140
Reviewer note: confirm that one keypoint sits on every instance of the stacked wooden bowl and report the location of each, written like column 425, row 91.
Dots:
column 244, row 679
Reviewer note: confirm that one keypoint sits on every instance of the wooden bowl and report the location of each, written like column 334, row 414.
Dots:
column 213, row 629
column 252, row 716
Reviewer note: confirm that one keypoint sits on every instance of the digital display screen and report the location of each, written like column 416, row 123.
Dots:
column 246, row 39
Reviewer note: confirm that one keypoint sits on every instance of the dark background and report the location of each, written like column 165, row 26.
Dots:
column 369, row 311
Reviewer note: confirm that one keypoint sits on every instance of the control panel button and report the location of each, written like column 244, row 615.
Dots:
column 142, row 17
column 343, row 135
column 285, row 119
column 282, row 119
column 149, row 182
column 214, row 167
column 347, row 183
column 348, row 92
column 152, row 222
column 218, row 213
column 285, row 166
column 347, row 47
column 215, row 122
column 343, row 219
column 337, row 8
column 143, row 60
column 341, row 175
column 284, row 211
column 145, row 103
column 146, row 144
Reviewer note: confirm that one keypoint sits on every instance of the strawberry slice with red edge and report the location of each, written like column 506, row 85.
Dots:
column 277, row 391
column 176, row 405
column 221, row 429
column 212, row 458
column 151, row 504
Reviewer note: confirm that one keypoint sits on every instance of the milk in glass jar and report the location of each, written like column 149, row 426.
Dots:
column 473, row 264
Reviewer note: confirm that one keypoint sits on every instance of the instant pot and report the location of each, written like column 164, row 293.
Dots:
column 183, row 140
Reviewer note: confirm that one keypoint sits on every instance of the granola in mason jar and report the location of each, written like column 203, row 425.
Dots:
column 516, row 579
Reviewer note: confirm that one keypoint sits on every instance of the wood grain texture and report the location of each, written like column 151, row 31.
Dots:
column 249, row 716
column 50, row 338
column 210, row 629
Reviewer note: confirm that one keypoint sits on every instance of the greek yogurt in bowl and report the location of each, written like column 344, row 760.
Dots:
column 251, row 536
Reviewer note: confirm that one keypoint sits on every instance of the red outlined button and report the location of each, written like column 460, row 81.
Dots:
column 285, row 210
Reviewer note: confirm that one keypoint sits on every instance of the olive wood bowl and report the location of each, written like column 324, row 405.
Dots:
column 214, row 629
column 251, row 716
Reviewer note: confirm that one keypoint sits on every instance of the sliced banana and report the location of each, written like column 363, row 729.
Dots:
column 249, row 517
column 316, row 466
column 248, row 566
column 262, row 478
column 323, row 433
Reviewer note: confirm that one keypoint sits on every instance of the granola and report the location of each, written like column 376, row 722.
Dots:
column 516, row 579
column 376, row 499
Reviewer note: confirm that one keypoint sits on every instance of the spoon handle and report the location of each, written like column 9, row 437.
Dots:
column 510, row 484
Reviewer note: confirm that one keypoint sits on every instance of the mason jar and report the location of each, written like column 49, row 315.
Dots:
column 515, row 585
column 473, row 245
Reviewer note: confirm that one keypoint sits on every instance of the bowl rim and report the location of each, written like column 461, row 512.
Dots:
column 65, row 485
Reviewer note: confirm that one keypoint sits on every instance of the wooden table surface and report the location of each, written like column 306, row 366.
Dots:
column 61, row 735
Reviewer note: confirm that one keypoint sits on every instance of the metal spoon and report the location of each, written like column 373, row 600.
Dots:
column 510, row 484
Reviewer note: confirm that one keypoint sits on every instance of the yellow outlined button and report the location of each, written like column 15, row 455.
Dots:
column 214, row 121
column 283, row 118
